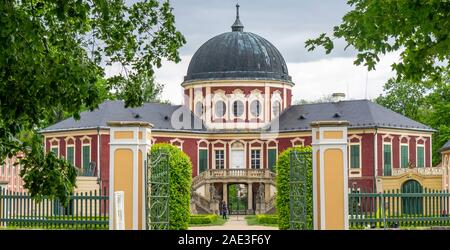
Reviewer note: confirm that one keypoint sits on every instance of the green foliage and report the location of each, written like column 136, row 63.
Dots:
column 52, row 59
column 283, row 189
column 201, row 219
column 46, row 175
column 419, row 29
column 428, row 103
column 267, row 219
column 180, row 184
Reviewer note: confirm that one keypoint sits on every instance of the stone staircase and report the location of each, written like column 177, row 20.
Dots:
column 201, row 204
column 270, row 205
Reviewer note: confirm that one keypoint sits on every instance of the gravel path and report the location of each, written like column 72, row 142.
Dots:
column 234, row 223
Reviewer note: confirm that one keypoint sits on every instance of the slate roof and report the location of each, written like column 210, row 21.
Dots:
column 237, row 55
column 156, row 113
column 359, row 113
column 445, row 147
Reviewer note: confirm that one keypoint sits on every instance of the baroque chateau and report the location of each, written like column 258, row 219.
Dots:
column 237, row 118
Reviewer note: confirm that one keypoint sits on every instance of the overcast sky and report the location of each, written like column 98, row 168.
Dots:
column 287, row 24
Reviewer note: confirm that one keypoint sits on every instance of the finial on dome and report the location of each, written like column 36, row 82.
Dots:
column 237, row 26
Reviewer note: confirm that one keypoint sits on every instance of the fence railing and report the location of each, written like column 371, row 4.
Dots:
column 87, row 210
column 399, row 208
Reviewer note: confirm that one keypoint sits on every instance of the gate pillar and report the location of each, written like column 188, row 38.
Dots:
column 330, row 175
column 130, row 142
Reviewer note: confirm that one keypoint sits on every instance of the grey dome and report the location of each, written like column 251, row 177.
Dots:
column 237, row 55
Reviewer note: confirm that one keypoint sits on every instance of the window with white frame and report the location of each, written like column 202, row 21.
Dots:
column 55, row 149
column 256, row 158
column 219, row 156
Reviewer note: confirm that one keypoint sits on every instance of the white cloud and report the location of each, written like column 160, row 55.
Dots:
column 323, row 77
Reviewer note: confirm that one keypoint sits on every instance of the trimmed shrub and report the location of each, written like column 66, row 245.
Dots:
column 180, row 169
column 283, row 200
column 200, row 219
column 267, row 219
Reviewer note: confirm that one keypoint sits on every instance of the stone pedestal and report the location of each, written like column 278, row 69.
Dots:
column 330, row 175
column 130, row 142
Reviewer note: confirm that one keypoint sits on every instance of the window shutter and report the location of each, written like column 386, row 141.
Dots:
column 203, row 161
column 354, row 156
column 404, row 156
column 70, row 155
column 420, row 157
column 272, row 157
column 387, row 160
column 86, row 156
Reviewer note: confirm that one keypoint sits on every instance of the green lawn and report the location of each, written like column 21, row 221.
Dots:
column 200, row 220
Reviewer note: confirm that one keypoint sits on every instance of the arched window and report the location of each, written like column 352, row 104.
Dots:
column 220, row 108
column 255, row 108
column 276, row 108
column 238, row 108
column 199, row 108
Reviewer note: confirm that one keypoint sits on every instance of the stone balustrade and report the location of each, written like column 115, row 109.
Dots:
column 225, row 175
column 423, row 171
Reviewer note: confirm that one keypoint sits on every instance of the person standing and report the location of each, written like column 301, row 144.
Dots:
column 224, row 210
column 220, row 208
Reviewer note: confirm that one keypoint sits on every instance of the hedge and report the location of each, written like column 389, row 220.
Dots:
column 180, row 168
column 267, row 219
column 282, row 181
column 199, row 219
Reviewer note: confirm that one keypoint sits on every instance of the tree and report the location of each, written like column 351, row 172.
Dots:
column 428, row 103
column 52, row 59
column 418, row 29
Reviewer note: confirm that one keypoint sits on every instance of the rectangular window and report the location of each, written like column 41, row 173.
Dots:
column 420, row 157
column 404, row 156
column 354, row 156
column 86, row 156
column 387, row 164
column 203, row 160
column 220, row 159
column 272, row 158
column 71, row 154
column 256, row 158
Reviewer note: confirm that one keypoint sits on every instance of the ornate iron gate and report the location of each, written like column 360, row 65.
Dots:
column 157, row 191
column 298, row 189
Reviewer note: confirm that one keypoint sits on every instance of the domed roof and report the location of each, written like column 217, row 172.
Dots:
column 237, row 55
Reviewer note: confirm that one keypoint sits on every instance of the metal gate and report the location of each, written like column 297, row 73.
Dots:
column 157, row 191
column 298, row 188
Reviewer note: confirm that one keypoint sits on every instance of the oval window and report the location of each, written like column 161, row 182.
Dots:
column 255, row 108
column 238, row 108
column 220, row 109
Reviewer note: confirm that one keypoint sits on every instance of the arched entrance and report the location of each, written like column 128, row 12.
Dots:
column 412, row 204
column 237, row 198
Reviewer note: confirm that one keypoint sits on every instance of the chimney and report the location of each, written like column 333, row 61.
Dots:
column 337, row 97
